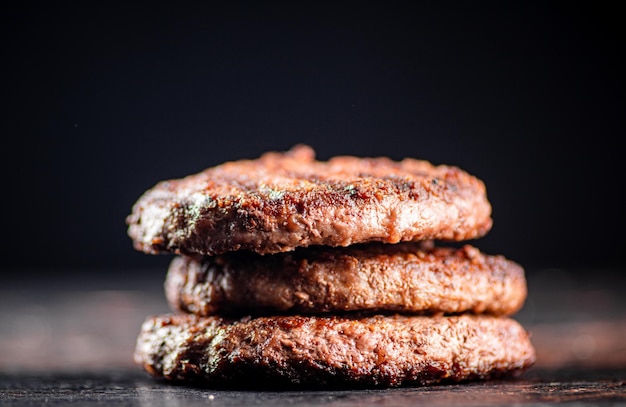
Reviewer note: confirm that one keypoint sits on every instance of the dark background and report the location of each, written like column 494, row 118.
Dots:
column 101, row 101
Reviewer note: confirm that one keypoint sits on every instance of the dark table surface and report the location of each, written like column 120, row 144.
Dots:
column 71, row 342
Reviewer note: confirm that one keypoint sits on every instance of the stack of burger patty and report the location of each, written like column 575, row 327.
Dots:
column 294, row 271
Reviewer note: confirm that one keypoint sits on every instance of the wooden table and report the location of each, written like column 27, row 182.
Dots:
column 69, row 339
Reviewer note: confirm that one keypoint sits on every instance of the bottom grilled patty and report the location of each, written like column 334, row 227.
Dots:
column 372, row 351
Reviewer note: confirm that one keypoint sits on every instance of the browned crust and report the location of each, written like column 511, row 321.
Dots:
column 281, row 201
column 404, row 277
column 369, row 351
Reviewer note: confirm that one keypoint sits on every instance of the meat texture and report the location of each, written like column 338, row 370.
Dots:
column 282, row 201
column 404, row 277
column 375, row 351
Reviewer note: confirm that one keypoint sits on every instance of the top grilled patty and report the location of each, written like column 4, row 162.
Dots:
column 282, row 201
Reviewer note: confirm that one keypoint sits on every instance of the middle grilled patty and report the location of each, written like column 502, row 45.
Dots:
column 405, row 277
